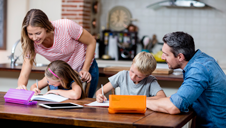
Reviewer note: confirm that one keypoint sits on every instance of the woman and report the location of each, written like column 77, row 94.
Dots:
column 57, row 40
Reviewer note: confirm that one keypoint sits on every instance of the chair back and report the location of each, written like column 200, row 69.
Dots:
column 85, row 87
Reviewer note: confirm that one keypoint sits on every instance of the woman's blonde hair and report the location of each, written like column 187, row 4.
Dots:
column 62, row 71
column 34, row 18
column 145, row 63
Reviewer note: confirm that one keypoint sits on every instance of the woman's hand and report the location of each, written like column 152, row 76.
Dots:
column 22, row 87
column 85, row 76
column 101, row 98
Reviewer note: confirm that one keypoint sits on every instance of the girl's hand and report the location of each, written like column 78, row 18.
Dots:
column 22, row 87
column 100, row 98
column 85, row 76
column 37, row 91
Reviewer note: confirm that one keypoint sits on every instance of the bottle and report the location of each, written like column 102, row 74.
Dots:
column 106, row 38
column 112, row 46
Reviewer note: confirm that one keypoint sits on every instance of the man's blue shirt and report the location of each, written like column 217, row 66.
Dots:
column 203, row 89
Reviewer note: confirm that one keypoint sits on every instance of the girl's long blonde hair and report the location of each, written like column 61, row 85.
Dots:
column 34, row 18
column 65, row 73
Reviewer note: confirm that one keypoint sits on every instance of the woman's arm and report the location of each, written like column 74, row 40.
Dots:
column 88, row 39
column 160, row 94
column 24, row 74
column 74, row 93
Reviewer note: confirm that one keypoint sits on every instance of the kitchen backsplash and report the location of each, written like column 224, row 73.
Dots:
column 207, row 26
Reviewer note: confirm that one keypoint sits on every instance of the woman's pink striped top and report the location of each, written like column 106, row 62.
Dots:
column 66, row 46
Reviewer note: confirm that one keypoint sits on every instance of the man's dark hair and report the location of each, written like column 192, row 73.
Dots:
column 180, row 42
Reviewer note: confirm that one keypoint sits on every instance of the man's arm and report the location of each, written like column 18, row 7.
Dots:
column 163, row 105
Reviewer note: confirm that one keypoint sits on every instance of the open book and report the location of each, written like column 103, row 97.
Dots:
column 49, row 97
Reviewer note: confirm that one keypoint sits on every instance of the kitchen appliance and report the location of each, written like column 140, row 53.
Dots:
column 178, row 4
column 123, row 44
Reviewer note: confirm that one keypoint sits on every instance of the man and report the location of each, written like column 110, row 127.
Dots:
column 204, row 86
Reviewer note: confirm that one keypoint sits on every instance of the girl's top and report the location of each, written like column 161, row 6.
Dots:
column 66, row 46
column 51, row 87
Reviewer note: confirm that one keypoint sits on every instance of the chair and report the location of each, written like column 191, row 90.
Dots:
column 85, row 87
column 115, row 91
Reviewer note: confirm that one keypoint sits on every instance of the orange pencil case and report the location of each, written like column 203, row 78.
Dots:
column 127, row 104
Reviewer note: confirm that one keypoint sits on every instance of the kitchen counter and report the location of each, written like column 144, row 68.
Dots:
column 102, row 64
column 6, row 67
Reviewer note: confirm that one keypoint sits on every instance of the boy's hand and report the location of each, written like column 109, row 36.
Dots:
column 100, row 98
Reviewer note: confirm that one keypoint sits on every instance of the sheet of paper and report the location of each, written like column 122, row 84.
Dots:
column 95, row 103
column 49, row 97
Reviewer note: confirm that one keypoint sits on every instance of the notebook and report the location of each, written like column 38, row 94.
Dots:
column 49, row 97
column 97, row 104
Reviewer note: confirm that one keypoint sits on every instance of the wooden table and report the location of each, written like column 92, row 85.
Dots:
column 16, row 115
column 170, row 77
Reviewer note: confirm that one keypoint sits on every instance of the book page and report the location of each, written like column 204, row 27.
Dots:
column 49, row 97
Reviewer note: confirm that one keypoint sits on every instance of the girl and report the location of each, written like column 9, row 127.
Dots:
column 62, row 80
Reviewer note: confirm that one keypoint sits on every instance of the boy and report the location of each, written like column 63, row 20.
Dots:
column 136, row 81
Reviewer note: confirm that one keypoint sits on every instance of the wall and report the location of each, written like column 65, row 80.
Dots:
column 207, row 26
column 79, row 11
column 16, row 10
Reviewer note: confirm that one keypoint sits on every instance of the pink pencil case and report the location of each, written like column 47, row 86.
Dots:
column 19, row 96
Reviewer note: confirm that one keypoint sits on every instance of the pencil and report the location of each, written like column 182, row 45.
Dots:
column 37, row 83
column 102, row 90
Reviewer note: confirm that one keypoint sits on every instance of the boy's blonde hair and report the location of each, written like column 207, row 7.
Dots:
column 145, row 63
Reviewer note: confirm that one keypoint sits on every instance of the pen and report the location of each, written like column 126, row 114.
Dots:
column 37, row 83
column 102, row 90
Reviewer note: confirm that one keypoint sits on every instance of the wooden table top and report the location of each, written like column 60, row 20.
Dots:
column 89, row 116
column 170, row 77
